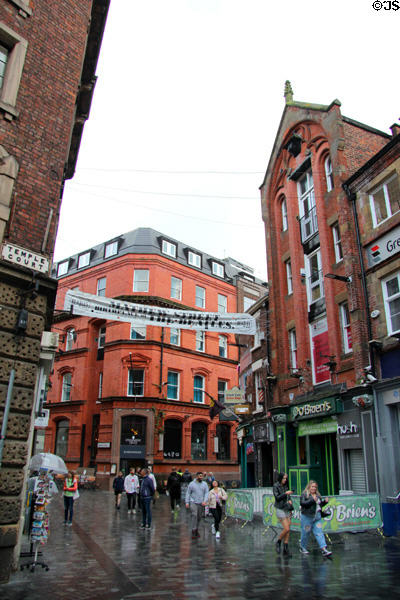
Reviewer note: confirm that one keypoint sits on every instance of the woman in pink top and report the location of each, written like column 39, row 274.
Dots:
column 215, row 498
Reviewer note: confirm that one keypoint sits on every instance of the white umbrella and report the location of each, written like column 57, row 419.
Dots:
column 46, row 460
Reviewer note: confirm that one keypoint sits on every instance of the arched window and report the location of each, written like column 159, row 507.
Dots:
column 224, row 442
column 62, row 432
column 172, row 438
column 198, row 389
column 66, row 387
column 70, row 339
column 199, row 441
column 328, row 173
column 284, row 214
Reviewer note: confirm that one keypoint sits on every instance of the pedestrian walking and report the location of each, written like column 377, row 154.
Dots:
column 146, row 493
column 216, row 497
column 283, row 508
column 209, row 477
column 131, row 487
column 153, row 478
column 186, row 479
column 118, row 485
column 196, row 499
column 311, row 504
column 174, row 488
column 70, row 489
column 140, row 479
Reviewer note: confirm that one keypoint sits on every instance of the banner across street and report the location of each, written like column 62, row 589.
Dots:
column 89, row 305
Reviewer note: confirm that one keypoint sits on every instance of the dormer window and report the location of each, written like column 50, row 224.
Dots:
column 217, row 269
column 62, row 268
column 84, row 260
column 168, row 248
column 194, row 259
column 110, row 249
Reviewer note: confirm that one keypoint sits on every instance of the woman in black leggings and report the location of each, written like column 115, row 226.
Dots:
column 215, row 498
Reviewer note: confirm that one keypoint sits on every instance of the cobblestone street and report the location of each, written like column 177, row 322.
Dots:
column 106, row 556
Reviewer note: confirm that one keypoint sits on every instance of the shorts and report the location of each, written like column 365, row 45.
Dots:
column 283, row 514
column 117, row 493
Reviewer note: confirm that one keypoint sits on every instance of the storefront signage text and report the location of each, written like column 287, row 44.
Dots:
column 384, row 247
column 347, row 428
column 312, row 409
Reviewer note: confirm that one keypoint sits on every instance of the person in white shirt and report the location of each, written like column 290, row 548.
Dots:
column 131, row 486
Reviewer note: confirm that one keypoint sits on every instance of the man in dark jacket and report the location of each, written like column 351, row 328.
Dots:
column 146, row 496
column 174, row 488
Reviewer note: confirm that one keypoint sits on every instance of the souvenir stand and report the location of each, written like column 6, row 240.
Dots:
column 39, row 521
column 39, row 502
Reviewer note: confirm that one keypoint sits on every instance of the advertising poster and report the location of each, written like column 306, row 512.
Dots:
column 320, row 350
column 347, row 513
column 240, row 505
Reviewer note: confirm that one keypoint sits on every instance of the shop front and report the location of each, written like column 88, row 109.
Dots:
column 263, row 439
column 306, row 444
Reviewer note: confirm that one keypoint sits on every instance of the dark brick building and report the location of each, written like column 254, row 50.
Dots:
column 48, row 56
column 318, row 336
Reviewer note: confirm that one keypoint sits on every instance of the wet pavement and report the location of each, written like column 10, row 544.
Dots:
column 106, row 556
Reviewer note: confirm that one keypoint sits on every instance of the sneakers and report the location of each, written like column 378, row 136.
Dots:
column 142, row 526
column 133, row 512
column 70, row 524
column 213, row 529
column 278, row 546
column 326, row 552
column 129, row 512
column 304, row 550
column 217, row 535
column 148, row 526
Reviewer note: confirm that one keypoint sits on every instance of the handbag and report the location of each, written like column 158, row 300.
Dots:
column 325, row 514
column 76, row 495
column 289, row 507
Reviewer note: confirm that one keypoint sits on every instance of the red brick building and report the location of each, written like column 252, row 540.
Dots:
column 318, row 339
column 48, row 56
column 123, row 395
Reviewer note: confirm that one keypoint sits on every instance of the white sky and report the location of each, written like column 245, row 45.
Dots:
column 188, row 102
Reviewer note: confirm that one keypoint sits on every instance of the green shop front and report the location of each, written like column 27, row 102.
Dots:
column 306, row 443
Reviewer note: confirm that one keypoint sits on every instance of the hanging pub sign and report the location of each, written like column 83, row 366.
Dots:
column 234, row 396
column 89, row 305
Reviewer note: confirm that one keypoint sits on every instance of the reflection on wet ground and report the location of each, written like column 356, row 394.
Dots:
column 106, row 556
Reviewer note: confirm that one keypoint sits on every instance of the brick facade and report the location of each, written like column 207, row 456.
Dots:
column 48, row 46
column 157, row 355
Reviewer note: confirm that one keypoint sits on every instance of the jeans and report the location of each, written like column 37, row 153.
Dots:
column 313, row 524
column 131, row 500
column 146, row 510
column 217, row 514
column 196, row 511
column 68, row 508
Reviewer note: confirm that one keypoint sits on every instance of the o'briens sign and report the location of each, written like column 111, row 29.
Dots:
column 312, row 409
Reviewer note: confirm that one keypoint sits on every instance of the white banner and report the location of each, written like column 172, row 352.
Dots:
column 89, row 305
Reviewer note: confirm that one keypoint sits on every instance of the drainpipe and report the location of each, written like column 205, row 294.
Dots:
column 352, row 198
column 161, row 358
column 6, row 413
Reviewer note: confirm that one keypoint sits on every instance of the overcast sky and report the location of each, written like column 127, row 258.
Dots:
column 188, row 102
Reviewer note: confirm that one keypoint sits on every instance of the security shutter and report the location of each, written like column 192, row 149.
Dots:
column 357, row 471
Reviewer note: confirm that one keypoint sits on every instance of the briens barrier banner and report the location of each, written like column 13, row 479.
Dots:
column 89, row 305
column 347, row 513
column 240, row 505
